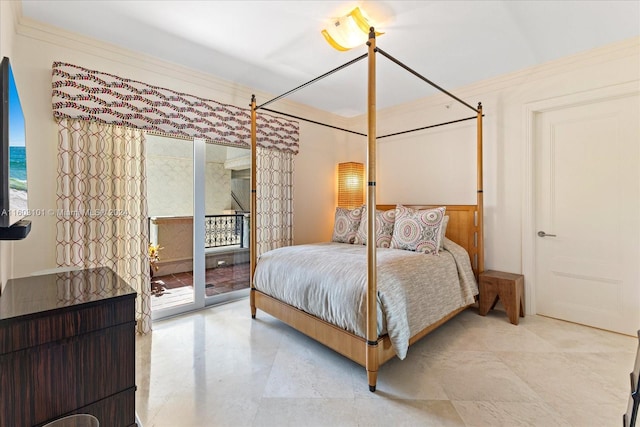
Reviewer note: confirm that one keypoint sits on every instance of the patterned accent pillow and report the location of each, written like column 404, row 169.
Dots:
column 346, row 225
column 384, row 228
column 443, row 231
column 418, row 230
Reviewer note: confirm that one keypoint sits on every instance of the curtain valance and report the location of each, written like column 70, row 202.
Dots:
column 80, row 93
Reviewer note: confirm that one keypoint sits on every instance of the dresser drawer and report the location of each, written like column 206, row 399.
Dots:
column 40, row 329
column 40, row 383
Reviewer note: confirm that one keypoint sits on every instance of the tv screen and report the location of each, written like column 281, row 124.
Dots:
column 13, row 156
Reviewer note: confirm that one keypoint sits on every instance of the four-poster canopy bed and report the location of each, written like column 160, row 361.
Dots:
column 372, row 346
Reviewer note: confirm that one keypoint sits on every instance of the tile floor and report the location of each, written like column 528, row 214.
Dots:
column 218, row 367
column 175, row 289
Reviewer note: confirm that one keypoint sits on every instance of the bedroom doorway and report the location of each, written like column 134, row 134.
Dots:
column 586, row 158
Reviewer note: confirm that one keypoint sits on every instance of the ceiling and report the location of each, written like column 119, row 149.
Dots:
column 274, row 46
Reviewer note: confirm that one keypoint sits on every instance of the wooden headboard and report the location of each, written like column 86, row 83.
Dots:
column 462, row 228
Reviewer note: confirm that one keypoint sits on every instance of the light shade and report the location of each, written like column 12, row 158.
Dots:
column 348, row 31
column 350, row 185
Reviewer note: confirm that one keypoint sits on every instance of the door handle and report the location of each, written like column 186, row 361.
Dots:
column 543, row 234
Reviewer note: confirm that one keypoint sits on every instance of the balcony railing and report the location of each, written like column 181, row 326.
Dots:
column 225, row 230
column 174, row 233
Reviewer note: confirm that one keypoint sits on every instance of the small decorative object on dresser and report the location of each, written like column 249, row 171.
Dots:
column 508, row 287
column 629, row 418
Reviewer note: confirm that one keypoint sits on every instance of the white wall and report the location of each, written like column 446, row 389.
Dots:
column 438, row 165
column 316, row 185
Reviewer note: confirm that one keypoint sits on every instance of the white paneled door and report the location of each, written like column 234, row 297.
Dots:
column 587, row 213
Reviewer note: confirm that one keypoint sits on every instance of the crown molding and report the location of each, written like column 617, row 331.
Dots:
column 619, row 50
column 27, row 27
column 45, row 33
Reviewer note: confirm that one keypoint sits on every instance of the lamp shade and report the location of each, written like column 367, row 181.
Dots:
column 350, row 185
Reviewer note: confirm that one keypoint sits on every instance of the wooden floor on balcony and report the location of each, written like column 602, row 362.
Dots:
column 176, row 289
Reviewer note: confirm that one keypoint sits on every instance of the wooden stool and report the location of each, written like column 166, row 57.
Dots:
column 508, row 287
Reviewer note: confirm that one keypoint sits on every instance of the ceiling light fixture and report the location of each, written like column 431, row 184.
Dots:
column 349, row 31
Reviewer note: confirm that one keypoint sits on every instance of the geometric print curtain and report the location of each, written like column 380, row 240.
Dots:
column 274, row 198
column 81, row 93
column 102, row 204
column 101, row 167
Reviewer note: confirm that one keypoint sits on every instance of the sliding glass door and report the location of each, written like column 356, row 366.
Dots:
column 198, row 224
column 226, row 222
column 170, row 190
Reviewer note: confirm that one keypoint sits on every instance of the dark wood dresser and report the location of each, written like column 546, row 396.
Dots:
column 67, row 346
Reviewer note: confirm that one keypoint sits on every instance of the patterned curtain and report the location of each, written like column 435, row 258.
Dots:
column 80, row 93
column 102, row 204
column 274, row 197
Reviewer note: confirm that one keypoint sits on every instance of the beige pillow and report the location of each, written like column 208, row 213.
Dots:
column 443, row 231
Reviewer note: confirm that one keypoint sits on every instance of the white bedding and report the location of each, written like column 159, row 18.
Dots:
column 328, row 280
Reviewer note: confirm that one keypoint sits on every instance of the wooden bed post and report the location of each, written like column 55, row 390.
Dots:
column 480, row 203
column 253, row 253
column 371, row 360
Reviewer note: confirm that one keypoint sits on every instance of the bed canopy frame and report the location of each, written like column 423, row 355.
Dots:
column 465, row 228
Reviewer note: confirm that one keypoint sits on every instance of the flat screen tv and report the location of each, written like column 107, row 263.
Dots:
column 13, row 158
